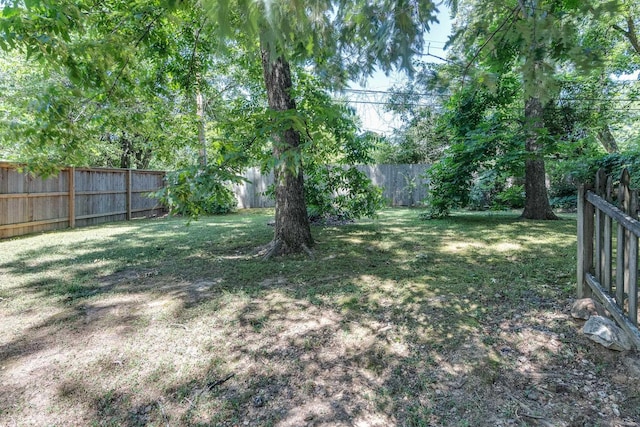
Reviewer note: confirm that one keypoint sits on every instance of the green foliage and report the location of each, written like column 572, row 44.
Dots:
column 330, row 149
column 567, row 175
column 341, row 193
column 199, row 190
column 483, row 190
column 449, row 183
column 615, row 163
column 422, row 140
column 486, row 148
column 342, row 39
column 511, row 197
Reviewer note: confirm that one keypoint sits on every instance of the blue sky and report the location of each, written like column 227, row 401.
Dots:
column 373, row 116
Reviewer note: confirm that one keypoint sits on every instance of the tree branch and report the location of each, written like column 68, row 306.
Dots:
column 146, row 32
column 632, row 34
column 486, row 42
column 195, row 50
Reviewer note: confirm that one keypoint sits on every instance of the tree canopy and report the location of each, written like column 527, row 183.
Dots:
column 531, row 83
column 142, row 77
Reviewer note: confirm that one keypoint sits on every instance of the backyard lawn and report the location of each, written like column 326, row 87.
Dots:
column 396, row 322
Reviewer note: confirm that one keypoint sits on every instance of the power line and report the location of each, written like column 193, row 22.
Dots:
column 393, row 92
column 445, row 95
column 435, row 41
column 423, row 104
column 406, row 104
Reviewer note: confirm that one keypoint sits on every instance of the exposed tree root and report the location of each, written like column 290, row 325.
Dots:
column 277, row 248
column 529, row 413
column 272, row 249
column 214, row 384
column 308, row 251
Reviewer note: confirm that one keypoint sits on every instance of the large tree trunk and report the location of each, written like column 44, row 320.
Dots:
column 292, row 229
column 126, row 150
column 536, row 204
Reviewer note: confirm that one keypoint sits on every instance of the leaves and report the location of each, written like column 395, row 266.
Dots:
column 197, row 190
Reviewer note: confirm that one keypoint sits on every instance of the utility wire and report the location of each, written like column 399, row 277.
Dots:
column 393, row 92
column 445, row 95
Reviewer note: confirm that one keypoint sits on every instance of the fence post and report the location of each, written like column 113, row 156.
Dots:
column 608, row 235
column 128, row 181
column 622, row 256
column 585, row 241
column 632, row 285
column 600, row 189
column 72, row 197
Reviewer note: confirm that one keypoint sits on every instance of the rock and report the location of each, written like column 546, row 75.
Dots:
column 586, row 307
column 633, row 367
column 532, row 395
column 615, row 409
column 604, row 331
column 258, row 401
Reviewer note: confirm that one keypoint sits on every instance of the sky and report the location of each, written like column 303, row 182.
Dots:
column 368, row 104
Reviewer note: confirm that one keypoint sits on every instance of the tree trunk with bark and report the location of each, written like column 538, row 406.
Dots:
column 292, row 228
column 202, row 139
column 536, row 204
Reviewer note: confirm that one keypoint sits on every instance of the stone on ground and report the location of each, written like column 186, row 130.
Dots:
column 605, row 331
column 586, row 307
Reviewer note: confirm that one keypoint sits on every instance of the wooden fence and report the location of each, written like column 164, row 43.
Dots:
column 402, row 185
column 87, row 196
column 598, row 263
column 75, row 197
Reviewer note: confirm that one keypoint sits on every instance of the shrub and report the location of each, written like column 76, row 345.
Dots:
column 341, row 192
column 511, row 197
column 197, row 190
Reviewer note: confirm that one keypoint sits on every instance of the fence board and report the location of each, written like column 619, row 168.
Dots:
column 613, row 308
column 89, row 196
column 621, row 300
column 402, row 185
column 608, row 238
column 76, row 196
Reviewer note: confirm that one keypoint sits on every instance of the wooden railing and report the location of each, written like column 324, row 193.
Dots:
column 75, row 197
column 597, row 261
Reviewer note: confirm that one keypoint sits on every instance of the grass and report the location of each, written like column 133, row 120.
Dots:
column 397, row 321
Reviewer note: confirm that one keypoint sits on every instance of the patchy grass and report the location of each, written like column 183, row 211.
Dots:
column 457, row 322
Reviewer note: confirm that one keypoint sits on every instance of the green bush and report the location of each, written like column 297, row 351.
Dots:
column 483, row 190
column 197, row 190
column 566, row 176
column 450, row 180
column 343, row 193
column 510, row 198
column 336, row 192
column 566, row 203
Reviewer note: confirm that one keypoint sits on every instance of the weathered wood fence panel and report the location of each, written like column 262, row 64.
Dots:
column 75, row 197
column 89, row 196
column 596, row 259
column 251, row 194
column 402, row 185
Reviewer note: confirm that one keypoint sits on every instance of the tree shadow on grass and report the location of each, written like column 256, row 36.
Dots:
column 395, row 323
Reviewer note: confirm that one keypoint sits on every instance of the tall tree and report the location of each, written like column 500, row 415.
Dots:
column 533, row 37
column 535, row 75
column 341, row 40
